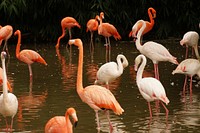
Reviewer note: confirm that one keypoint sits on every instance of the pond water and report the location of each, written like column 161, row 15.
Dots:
column 53, row 89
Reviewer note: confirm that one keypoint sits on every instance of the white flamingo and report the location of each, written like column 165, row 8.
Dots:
column 191, row 38
column 155, row 51
column 150, row 88
column 8, row 101
column 111, row 70
column 188, row 67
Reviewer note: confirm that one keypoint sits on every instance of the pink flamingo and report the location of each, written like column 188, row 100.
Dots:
column 62, row 124
column 97, row 97
column 188, row 67
column 107, row 30
column 111, row 70
column 155, row 51
column 149, row 25
column 150, row 88
column 5, row 33
column 92, row 25
column 27, row 56
column 67, row 22
column 191, row 38
column 8, row 101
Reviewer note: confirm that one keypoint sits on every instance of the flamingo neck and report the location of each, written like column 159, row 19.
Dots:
column 138, row 41
column 141, row 69
column 151, row 18
column 5, row 90
column 68, row 122
column 63, row 34
column 79, row 83
column 119, row 62
column 196, row 51
column 18, row 45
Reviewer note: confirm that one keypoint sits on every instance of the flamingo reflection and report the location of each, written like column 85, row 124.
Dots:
column 30, row 105
column 68, row 70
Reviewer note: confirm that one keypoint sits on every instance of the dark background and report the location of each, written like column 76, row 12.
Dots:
column 39, row 20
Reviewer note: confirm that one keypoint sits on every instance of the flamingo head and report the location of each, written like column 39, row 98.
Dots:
column 76, row 42
column 153, row 12
column 97, row 17
column 138, row 60
column 72, row 112
column 3, row 55
column 17, row 32
column 102, row 15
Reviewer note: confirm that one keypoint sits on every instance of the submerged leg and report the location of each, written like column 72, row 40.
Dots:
column 150, row 112
column 108, row 117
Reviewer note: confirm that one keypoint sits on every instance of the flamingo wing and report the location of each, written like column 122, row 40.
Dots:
column 152, row 89
column 98, row 97
column 30, row 56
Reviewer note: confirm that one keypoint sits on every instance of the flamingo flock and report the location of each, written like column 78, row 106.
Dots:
column 98, row 97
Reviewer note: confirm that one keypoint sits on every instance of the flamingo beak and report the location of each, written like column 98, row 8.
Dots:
column 75, row 123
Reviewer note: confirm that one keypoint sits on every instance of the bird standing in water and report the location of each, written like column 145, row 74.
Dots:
column 97, row 97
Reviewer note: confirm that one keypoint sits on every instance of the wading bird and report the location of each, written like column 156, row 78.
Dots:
column 67, row 22
column 191, row 38
column 27, row 56
column 8, row 101
column 97, row 97
column 111, row 70
column 150, row 88
column 155, row 51
column 62, row 124
column 149, row 25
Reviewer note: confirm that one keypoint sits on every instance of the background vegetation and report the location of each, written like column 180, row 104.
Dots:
column 41, row 18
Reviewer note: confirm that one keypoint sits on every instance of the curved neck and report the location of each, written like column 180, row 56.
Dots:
column 79, row 83
column 68, row 122
column 63, row 34
column 119, row 62
column 196, row 51
column 150, row 17
column 138, row 41
column 141, row 69
column 5, row 90
column 18, row 45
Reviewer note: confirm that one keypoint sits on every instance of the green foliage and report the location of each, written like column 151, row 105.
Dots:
column 42, row 18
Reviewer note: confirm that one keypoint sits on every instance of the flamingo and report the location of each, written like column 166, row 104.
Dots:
column 92, row 25
column 111, row 70
column 188, row 67
column 97, row 97
column 149, row 25
column 67, row 22
column 107, row 30
column 8, row 101
column 155, row 51
column 27, row 56
column 150, row 88
column 191, row 38
column 62, row 124
column 1, row 80
column 5, row 33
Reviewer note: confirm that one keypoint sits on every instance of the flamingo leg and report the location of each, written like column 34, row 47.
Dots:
column 150, row 112
column 70, row 34
column 97, row 119
column 156, row 71
column 11, row 123
column 185, row 83
column 108, row 117
column 30, row 71
column 166, row 110
column 186, row 52
column 190, row 84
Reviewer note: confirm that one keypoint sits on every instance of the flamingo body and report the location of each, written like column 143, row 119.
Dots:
column 62, row 124
column 92, row 24
column 67, row 22
column 8, row 101
column 188, row 67
column 5, row 33
column 150, row 88
column 97, row 97
column 191, row 38
column 111, row 70
column 149, row 25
